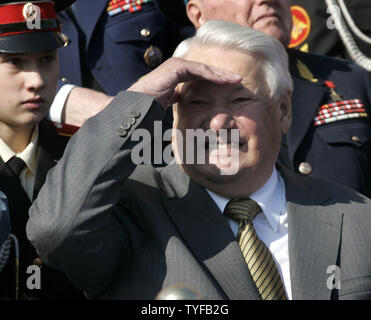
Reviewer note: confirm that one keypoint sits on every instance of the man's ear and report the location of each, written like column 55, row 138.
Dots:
column 286, row 113
column 175, row 111
column 195, row 13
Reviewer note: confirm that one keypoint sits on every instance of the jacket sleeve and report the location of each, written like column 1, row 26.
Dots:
column 72, row 222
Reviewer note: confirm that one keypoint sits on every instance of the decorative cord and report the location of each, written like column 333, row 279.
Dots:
column 352, row 24
column 4, row 255
column 4, row 252
column 349, row 43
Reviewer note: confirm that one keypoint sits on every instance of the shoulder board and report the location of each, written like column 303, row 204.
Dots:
column 66, row 130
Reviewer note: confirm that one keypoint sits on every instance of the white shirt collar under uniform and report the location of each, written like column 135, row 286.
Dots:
column 270, row 197
column 28, row 155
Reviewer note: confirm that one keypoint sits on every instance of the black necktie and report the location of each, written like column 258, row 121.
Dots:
column 16, row 165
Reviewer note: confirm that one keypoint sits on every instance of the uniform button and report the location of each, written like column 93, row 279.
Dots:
column 65, row 80
column 356, row 139
column 122, row 132
column 65, row 39
column 37, row 262
column 145, row 32
column 305, row 168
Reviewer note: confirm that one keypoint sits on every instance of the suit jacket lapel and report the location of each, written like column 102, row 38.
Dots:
column 211, row 240
column 50, row 149
column 306, row 99
column 314, row 238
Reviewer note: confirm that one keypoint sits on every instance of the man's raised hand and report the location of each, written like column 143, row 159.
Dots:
column 161, row 83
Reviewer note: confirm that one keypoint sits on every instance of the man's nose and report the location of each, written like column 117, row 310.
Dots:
column 222, row 120
column 33, row 80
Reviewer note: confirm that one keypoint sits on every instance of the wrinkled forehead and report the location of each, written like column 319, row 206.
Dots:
column 231, row 59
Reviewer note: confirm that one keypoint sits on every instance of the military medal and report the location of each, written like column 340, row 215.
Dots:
column 341, row 110
column 153, row 56
column 333, row 94
column 116, row 6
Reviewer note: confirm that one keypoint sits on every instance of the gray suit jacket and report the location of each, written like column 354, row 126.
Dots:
column 121, row 231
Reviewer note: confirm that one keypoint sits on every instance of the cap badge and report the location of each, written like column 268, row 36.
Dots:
column 32, row 15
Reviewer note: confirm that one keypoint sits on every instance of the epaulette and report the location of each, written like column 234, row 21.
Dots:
column 64, row 129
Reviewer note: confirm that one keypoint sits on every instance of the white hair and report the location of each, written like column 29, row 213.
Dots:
column 229, row 35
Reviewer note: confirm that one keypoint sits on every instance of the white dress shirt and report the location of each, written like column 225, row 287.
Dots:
column 29, row 156
column 271, row 225
column 56, row 109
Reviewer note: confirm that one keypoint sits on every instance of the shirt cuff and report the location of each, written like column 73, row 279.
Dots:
column 55, row 111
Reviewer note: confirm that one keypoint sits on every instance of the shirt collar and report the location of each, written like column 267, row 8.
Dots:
column 270, row 197
column 28, row 155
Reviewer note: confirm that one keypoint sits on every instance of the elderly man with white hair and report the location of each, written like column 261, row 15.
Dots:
column 330, row 133
column 124, row 230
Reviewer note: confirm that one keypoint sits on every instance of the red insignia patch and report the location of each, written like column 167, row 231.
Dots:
column 300, row 27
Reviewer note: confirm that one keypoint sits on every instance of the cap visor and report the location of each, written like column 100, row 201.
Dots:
column 31, row 42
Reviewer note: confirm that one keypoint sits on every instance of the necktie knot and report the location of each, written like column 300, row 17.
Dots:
column 16, row 165
column 242, row 209
column 257, row 256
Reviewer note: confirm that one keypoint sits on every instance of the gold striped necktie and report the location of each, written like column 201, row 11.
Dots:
column 258, row 258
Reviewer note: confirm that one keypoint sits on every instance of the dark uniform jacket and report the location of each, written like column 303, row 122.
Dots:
column 337, row 151
column 110, row 53
column 54, row 284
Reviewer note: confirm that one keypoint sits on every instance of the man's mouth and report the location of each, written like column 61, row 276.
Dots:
column 33, row 103
column 267, row 16
column 225, row 146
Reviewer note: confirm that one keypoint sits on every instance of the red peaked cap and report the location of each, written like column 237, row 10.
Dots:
column 31, row 26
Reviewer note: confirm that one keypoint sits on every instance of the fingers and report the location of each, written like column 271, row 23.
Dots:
column 193, row 71
column 161, row 82
column 174, row 98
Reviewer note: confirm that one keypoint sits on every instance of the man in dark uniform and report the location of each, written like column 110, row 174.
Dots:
column 112, row 44
column 330, row 135
column 29, row 144
column 314, row 28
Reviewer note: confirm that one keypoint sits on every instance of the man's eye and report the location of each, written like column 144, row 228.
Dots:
column 241, row 100
column 48, row 58
column 14, row 61
column 197, row 102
